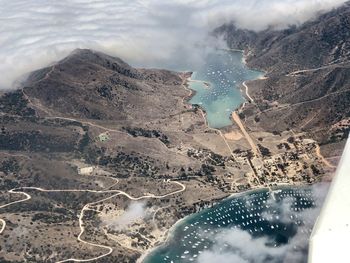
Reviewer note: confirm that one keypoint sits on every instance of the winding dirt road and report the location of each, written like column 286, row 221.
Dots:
column 3, row 222
column 247, row 92
column 87, row 123
column 324, row 160
column 86, row 208
column 313, row 69
column 13, row 191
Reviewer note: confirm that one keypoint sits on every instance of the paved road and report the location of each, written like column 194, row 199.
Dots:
column 247, row 91
column 238, row 121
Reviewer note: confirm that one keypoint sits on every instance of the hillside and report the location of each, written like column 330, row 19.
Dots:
column 93, row 85
column 307, row 68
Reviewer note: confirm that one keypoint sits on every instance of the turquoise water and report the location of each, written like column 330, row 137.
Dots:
column 225, row 73
column 254, row 227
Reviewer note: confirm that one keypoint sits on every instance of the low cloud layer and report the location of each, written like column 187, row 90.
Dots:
column 235, row 245
column 135, row 211
column 35, row 33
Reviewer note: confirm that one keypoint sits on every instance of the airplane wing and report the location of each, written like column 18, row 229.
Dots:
column 330, row 239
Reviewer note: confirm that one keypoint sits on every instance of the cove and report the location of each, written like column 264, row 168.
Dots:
column 216, row 84
column 258, row 226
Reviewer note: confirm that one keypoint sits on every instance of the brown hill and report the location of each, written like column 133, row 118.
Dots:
column 89, row 84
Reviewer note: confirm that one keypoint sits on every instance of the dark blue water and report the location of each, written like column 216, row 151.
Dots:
column 278, row 225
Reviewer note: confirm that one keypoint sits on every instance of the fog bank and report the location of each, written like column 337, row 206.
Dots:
column 152, row 33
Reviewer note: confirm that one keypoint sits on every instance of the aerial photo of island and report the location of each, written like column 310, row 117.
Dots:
column 178, row 131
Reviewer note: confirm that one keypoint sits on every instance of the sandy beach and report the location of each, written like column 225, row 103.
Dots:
column 233, row 136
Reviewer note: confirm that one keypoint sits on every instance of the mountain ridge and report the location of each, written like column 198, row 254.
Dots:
column 67, row 87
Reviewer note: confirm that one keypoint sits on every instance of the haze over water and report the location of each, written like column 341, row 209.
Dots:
column 224, row 72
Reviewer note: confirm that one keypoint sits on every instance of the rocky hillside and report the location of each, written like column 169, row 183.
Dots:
column 314, row 44
column 85, row 128
column 307, row 69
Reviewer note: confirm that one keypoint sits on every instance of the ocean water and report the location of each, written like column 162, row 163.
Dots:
column 259, row 226
column 225, row 72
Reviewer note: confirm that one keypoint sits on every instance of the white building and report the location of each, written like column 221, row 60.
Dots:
column 86, row 170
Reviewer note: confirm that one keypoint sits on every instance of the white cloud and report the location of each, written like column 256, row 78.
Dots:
column 242, row 248
column 211, row 256
column 34, row 33
column 259, row 15
column 135, row 211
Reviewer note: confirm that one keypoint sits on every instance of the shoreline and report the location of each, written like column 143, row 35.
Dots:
column 205, row 83
column 170, row 231
column 186, row 99
column 186, row 76
column 251, row 100
column 168, row 234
